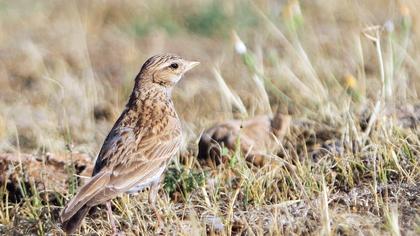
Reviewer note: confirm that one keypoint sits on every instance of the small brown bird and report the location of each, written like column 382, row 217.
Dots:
column 139, row 146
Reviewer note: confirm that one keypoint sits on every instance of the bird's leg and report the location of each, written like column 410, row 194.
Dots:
column 152, row 200
column 111, row 218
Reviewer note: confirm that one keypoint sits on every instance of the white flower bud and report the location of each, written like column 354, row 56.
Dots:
column 240, row 47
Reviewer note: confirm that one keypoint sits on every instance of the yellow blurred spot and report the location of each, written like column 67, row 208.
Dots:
column 404, row 10
column 350, row 81
column 292, row 9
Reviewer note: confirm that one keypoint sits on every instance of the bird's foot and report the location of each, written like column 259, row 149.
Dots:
column 159, row 222
column 115, row 231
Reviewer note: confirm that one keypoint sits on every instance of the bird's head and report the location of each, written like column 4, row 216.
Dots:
column 166, row 69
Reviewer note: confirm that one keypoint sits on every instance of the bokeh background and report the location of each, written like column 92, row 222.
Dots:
column 68, row 67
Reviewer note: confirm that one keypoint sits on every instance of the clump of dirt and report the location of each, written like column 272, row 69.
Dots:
column 23, row 173
column 256, row 138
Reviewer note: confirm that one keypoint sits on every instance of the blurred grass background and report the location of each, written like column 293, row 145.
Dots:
column 62, row 63
column 68, row 67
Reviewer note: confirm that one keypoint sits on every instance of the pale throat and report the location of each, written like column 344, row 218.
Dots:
column 168, row 92
column 174, row 78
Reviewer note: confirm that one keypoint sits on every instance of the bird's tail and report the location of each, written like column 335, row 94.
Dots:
column 79, row 206
column 73, row 223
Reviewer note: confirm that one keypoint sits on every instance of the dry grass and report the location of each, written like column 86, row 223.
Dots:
column 346, row 70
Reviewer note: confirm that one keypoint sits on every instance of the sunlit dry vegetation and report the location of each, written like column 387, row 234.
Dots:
column 347, row 73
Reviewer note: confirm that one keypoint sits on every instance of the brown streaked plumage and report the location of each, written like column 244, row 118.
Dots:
column 140, row 144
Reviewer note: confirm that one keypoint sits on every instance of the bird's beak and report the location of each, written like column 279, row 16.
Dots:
column 190, row 65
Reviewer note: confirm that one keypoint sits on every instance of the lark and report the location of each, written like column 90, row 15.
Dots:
column 138, row 148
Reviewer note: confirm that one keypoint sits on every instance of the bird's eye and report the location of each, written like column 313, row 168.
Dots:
column 174, row 65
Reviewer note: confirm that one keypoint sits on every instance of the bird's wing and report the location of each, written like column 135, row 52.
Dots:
column 124, row 162
column 120, row 143
column 142, row 161
column 152, row 154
